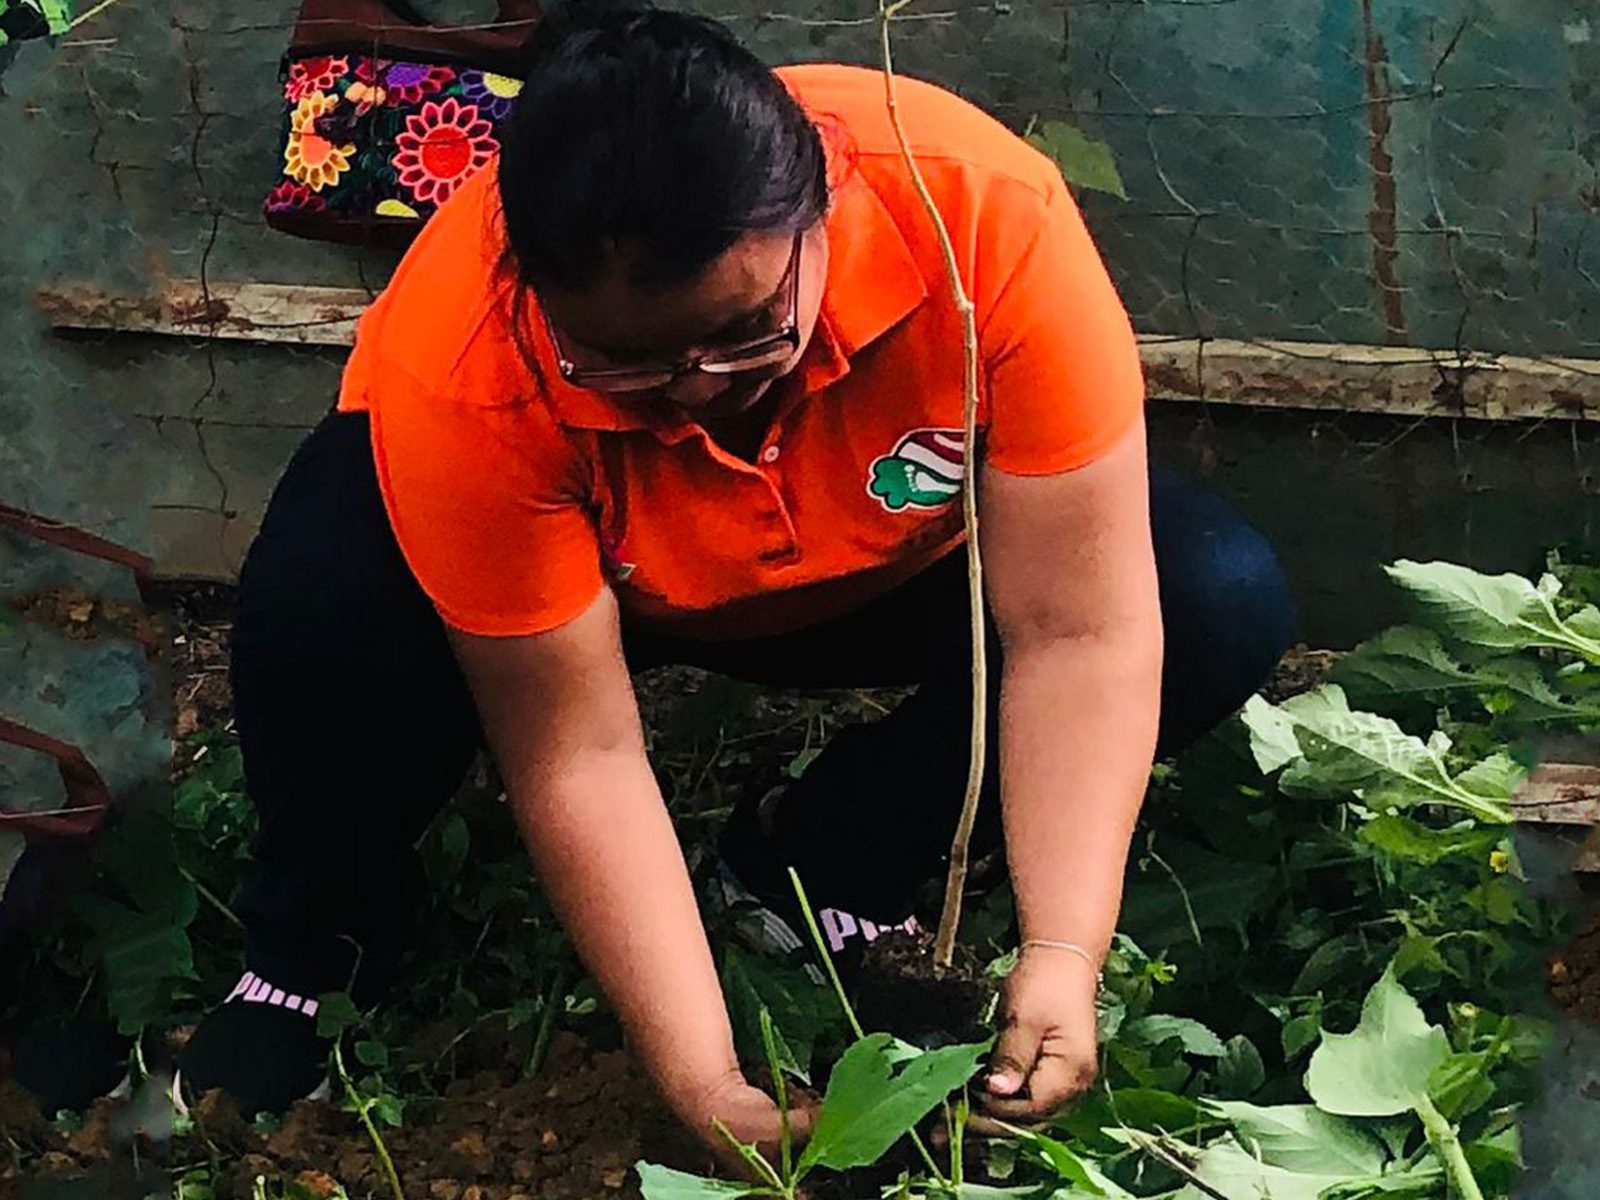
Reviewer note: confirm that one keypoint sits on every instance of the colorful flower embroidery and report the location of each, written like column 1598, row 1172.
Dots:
column 310, row 158
column 310, row 75
column 365, row 96
column 371, row 138
column 408, row 83
column 289, row 196
column 493, row 94
column 440, row 147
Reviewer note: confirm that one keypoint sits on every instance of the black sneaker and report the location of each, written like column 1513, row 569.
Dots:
column 71, row 1066
column 260, row 1046
column 755, row 890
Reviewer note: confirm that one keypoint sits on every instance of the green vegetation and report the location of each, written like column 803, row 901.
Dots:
column 1327, row 984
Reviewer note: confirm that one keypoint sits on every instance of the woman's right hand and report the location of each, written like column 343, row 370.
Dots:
column 747, row 1112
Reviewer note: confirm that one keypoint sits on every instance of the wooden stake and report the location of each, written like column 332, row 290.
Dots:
column 944, row 945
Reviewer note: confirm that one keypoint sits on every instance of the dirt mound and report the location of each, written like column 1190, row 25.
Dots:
column 1575, row 975
column 573, row 1133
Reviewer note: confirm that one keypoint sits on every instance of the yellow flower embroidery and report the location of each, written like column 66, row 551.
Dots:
column 365, row 95
column 397, row 208
column 310, row 158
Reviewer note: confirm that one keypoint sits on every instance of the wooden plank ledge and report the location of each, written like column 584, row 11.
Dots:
column 1308, row 376
column 1563, row 794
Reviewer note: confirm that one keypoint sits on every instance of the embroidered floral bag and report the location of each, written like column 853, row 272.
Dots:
column 387, row 115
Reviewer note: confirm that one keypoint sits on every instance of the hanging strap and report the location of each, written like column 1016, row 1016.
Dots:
column 88, row 797
column 394, row 27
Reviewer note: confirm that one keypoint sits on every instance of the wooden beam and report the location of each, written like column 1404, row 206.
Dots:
column 1313, row 376
column 1396, row 380
column 1559, row 794
column 256, row 312
column 1564, row 794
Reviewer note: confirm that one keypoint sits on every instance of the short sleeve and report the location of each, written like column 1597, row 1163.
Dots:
column 488, row 506
column 1064, row 380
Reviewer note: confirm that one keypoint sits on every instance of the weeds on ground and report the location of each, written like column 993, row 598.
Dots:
column 1326, row 985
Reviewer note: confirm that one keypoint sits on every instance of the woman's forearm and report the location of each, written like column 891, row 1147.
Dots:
column 1078, row 723
column 605, row 850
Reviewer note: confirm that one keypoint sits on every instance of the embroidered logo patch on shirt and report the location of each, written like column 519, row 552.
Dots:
column 924, row 470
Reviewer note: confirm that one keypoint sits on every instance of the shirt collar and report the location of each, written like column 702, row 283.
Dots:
column 873, row 283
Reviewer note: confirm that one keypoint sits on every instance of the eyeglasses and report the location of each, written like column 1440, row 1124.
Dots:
column 768, row 350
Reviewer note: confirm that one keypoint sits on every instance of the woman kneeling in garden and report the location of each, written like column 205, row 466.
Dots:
column 679, row 380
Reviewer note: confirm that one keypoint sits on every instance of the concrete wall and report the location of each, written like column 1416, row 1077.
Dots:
column 1418, row 171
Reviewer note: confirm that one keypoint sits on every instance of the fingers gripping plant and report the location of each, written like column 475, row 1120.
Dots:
column 878, row 1092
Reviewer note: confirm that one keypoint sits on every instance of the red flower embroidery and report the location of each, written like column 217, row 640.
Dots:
column 314, row 75
column 289, row 196
column 441, row 147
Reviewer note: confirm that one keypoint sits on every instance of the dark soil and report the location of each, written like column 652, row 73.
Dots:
column 1301, row 670
column 573, row 1133
column 899, row 988
column 1575, row 975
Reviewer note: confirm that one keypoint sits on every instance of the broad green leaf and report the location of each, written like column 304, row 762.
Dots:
column 1240, row 1073
column 1077, row 1175
column 1535, row 699
column 1192, row 886
column 802, row 1011
column 1498, row 612
column 336, row 1012
column 1231, row 1170
column 1410, row 662
column 1272, row 735
column 1159, row 1028
column 1404, row 662
column 139, row 908
column 870, row 1105
column 1345, row 753
column 390, row 1109
column 372, row 1054
column 1303, row 1138
column 1084, row 162
column 1382, row 1068
column 1145, row 1109
column 663, row 1183
column 1496, row 1161
column 1404, row 839
column 455, row 839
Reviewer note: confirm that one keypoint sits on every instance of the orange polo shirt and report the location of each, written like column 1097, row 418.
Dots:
column 516, row 498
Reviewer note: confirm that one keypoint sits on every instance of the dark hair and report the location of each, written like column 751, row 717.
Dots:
column 654, row 132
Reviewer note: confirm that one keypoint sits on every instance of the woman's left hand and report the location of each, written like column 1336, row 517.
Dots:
column 1048, row 1052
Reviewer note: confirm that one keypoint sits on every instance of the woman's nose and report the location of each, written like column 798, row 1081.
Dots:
column 695, row 389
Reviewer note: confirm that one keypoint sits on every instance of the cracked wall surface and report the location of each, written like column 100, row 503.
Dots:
column 1348, row 170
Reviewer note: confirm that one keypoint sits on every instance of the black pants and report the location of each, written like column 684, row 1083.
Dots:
column 356, row 724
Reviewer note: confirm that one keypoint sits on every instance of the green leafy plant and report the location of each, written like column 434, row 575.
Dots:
column 1341, row 860
column 1084, row 161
